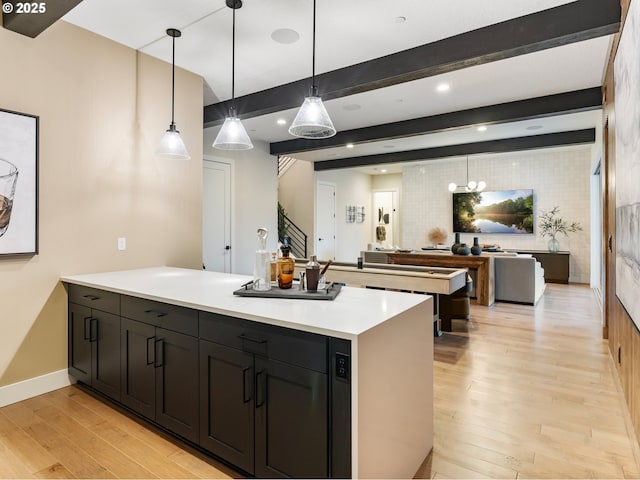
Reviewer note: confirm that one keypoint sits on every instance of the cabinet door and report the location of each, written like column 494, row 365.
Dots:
column 105, row 354
column 177, row 383
column 291, row 421
column 226, row 403
column 79, row 348
column 137, row 364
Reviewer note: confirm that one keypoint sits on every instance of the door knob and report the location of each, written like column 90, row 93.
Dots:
column 319, row 239
column 227, row 247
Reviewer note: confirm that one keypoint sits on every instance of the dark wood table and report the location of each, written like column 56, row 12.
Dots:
column 483, row 264
column 556, row 265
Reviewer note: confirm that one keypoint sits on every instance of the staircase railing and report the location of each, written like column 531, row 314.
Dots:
column 297, row 238
column 284, row 164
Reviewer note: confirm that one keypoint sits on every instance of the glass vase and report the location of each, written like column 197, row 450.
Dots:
column 553, row 245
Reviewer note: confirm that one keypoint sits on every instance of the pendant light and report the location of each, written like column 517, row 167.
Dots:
column 312, row 120
column 232, row 135
column 171, row 145
column 471, row 185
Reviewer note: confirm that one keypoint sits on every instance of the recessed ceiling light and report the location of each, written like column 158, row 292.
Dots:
column 443, row 87
column 383, row 170
column 534, row 127
column 349, row 145
column 285, row 36
column 482, row 128
column 401, row 19
column 352, row 107
column 281, row 121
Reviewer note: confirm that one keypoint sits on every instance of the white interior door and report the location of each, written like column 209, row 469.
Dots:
column 216, row 216
column 325, row 245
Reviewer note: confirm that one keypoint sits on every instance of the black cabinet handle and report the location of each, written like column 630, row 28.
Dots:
column 244, row 337
column 158, row 354
column 610, row 243
column 261, row 389
column 91, row 297
column 151, row 348
column 246, row 385
column 93, row 332
column 155, row 313
column 87, row 331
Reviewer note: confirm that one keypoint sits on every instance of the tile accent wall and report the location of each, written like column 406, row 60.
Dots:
column 558, row 176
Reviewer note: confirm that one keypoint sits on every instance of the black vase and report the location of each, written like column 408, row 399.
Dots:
column 476, row 249
column 463, row 249
column 456, row 244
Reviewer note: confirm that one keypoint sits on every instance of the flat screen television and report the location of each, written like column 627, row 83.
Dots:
column 504, row 211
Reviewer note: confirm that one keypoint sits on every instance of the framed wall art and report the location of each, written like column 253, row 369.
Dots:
column 627, row 100
column 18, row 183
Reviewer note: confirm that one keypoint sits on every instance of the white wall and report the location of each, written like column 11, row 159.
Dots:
column 254, row 198
column 559, row 176
column 390, row 182
column 295, row 193
column 352, row 188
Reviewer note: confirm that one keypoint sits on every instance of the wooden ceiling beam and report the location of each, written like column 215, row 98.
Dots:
column 573, row 22
column 33, row 18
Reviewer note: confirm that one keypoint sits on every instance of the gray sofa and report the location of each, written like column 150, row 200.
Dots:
column 518, row 279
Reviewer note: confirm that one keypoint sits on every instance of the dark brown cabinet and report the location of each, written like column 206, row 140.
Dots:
column 266, row 415
column 556, row 265
column 267, row 399
column 160, row 366
column 94, row 340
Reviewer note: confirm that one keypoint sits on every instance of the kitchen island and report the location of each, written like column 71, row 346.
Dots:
column 357, row 370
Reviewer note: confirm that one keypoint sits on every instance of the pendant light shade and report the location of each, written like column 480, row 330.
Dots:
column 312, row 120
column 171, row 144
column 232, row 135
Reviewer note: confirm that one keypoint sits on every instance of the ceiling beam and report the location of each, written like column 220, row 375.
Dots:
column 33, row 18
column 573, row 22
column 575, row 137
column 561, row 103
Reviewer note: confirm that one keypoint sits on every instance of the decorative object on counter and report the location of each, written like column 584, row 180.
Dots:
column 329, row 292
column 261, row 266
column 312, row 120
column 326, row 267
column 476, row 249
column 471, row 185
column 312, row 274
column 301, row 285
column 551, row 224
column 456, row 243
column 171, row 144
column 437, row 236
column 463, row 249
column 273, row 268
column 232, row 135
column 359, row 263
column 286, row 265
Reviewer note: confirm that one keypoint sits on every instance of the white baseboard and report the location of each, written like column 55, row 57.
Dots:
column 33, row 387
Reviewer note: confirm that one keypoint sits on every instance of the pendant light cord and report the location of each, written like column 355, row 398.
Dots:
column 314, row 89
column 233, row 65
column 173, row 80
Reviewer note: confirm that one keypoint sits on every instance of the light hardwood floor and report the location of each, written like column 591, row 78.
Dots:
column 520, row 392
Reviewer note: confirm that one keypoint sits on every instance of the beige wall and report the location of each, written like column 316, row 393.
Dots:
column 103, row 108
column 295, row 193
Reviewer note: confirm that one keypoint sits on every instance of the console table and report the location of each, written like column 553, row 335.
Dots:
column 556, row 265
column 483, row 264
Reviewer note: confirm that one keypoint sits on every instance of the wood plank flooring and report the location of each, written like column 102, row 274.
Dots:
column 524, row 392
column 520, row 392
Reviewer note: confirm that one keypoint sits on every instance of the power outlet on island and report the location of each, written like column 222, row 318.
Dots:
column 122, row 243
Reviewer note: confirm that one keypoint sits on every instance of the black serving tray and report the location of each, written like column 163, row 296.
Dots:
column 329, row 293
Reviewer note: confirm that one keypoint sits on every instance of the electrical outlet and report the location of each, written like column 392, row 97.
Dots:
column 342, row 366
column 122, row 243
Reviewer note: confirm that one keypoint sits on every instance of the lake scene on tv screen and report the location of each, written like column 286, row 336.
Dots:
column 504, row 211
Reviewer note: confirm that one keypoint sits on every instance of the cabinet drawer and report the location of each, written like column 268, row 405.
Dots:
column 172, row 317
column 304, row 349
column 94, row 298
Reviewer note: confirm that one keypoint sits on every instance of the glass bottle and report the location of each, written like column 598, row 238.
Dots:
column 261, row 270
column 273, row 267
column 312, row 274
column 286, row 265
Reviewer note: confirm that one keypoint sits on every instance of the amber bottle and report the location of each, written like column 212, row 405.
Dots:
column 286, row 265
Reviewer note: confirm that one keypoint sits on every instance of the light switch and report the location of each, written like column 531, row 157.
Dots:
column 122, row 243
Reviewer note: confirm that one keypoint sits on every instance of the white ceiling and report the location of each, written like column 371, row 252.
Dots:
column 349, row 32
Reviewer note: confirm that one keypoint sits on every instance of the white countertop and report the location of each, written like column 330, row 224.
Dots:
column 354, row 311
